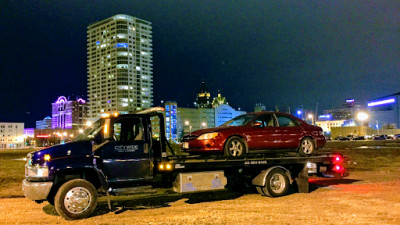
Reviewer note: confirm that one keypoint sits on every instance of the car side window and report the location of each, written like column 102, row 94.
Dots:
column 128, row 130
column 266, row 120
column 285, row 121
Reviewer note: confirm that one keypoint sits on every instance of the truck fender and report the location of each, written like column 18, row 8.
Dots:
column 259, row 180
column 103, row 180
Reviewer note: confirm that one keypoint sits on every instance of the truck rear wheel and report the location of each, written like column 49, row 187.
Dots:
column 76, row 199
column 276, row 184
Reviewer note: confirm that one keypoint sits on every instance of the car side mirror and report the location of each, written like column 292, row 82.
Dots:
column 257, row 124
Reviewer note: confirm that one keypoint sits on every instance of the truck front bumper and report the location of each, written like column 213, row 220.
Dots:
column 36, row 190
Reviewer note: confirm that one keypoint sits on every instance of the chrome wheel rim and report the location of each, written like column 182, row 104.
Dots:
column 236, row 148
column 277, row 183
column 77, row 200
column 307, row 146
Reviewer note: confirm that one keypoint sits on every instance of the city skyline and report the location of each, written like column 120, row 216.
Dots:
column 280, row 53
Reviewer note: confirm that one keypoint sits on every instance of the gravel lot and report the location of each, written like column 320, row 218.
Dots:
column 366, row 197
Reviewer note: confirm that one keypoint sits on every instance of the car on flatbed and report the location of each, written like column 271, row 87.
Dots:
column 257, row 132
column 129, row 154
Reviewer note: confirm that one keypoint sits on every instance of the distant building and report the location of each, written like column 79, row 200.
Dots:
column 385, row 111
column 192, row 119
column 219, row 100
column 348, row 112
column 30, row 132
column 170, row 120
column 11, row 135
column 46, row 123
column 68, row 114
column 328, row 124
column 259, row 107
column 120, row 65
column 203, row 99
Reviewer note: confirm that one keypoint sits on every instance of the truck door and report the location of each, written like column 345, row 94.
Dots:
column 127, row 157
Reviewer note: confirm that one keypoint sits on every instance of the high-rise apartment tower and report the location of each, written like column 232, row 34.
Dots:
column 120, row 65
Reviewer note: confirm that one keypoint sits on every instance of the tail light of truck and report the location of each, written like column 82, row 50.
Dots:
column 337, row 159
column 337, row 162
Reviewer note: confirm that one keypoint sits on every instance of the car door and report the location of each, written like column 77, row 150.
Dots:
column 127, row 158
column 289, row 132
column 263, row 133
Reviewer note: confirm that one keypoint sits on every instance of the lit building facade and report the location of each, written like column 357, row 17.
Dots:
column 327, row 125
column 68, row 114
column 203, row 99
column 192, row 119
column 384, row 112
column 11, row 135
column 46, row 123
column 170, row 120
column 120, row 65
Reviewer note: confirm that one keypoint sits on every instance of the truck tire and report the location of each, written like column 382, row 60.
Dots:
column 307, row 147
column 276, row 184
column 76, row 199
column 235, row 147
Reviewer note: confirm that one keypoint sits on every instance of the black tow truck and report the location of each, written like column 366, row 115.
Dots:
column 129, row 154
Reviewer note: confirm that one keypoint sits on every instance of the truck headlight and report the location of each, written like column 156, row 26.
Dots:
column 208, row 136
column 36, row 171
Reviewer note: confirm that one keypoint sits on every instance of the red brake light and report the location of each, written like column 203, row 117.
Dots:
column 338, row 168
column 337, row 159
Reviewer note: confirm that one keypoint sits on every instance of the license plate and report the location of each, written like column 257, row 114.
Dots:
column 185, row 145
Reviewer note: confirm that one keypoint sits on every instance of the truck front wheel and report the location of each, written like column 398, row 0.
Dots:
column 76, row 199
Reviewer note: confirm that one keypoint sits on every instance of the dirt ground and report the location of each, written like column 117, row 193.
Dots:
column 366, row 197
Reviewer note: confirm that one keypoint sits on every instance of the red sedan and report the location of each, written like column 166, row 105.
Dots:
column 256, row 133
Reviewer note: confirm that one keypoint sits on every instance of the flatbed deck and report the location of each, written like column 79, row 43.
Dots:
column 184, row 162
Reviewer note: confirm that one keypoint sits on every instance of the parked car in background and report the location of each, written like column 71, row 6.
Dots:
column 380, row 137
column 255, row 133
column 396, row 136
column 357, row 138
column 343, row 138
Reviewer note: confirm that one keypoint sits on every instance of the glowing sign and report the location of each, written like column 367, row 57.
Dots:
column 121, row 45
column 349, row 100
column 81, row 101
column 325, row 116
column 98, row 42
column 43, row 135
column 61, row 99
column 382, row 102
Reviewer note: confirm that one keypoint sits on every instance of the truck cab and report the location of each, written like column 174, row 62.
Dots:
column 116, row 152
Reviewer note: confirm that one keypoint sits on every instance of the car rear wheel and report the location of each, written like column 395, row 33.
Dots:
column 307, row 147
column 234, row 147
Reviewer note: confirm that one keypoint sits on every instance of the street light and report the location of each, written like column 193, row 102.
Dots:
column 190, row 127
column 204, row 124
column 311, row 117
column 299, row 113
column 362, row 116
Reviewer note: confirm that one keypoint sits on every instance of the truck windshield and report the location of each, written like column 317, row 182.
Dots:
column 90, row 132
column 239, row 121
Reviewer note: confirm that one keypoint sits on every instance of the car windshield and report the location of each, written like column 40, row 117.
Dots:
column 239, row 121
column 91, row 131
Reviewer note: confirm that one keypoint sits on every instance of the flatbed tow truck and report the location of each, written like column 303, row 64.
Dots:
column 129, row 154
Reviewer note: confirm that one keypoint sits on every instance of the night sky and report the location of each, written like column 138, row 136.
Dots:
column 285, row 53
